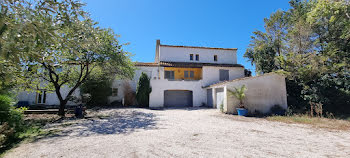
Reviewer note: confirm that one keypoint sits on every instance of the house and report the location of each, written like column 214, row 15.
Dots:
column 189, row 76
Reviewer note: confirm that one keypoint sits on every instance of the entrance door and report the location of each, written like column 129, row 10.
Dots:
column 209, row 98
column 219, row 97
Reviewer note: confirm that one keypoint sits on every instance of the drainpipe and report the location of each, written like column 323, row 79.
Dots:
column 157, row 56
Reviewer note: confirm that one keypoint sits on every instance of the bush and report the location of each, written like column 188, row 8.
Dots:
column 99, row 90
column 11, row 120
column 277, row 110
column 143, row 90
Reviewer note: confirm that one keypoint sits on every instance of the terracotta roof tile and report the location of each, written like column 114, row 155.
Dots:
column 185, row 64
column 146, row 64
column 239, row 79
column 188, row 64
column 198, row 47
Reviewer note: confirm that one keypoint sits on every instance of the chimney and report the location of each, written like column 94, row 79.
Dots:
column 157, row 51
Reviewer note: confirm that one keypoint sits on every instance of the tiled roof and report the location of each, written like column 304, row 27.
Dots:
column 198, row 47
column 188, row 64
column 185, row 64
column 239, row 79
column 146, row 64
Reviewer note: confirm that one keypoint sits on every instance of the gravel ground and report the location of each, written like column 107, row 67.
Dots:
column 182, row 133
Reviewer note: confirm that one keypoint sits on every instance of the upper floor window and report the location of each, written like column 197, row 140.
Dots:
column 189, row 74
column 197, row 57
column 191, row 56
column 224, row 75
column 169, row 75
column 215, row 58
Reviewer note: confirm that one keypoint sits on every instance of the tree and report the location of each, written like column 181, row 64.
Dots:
column 239, row 93
column 64, row 48
column 143, row 90
column 18, row 31
column 314, row 52
column 98, row 87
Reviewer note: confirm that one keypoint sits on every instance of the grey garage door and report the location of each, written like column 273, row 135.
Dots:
column 219, row 97
column 177, row 98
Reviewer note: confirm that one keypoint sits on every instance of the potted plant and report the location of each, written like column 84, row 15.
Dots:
column 239, row 93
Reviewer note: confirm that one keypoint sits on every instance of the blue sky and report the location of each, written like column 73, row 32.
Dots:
column 209, row 23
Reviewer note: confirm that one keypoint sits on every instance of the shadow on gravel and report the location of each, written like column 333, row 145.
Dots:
column 121, row 122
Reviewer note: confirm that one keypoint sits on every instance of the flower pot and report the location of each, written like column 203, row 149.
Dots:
column 242, row 112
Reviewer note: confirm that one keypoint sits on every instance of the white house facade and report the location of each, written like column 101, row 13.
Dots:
column 187, row 76
column 180, row 73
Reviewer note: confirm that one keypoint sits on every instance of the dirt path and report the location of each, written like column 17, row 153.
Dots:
column 183, row 133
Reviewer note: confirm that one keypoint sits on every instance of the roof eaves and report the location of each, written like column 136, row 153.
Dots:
column 239, row 79
column 198, row 47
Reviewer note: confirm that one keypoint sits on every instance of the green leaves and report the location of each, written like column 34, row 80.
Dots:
column 60, row 44
column 310, row 43
column 143, row 90
column 239, row 93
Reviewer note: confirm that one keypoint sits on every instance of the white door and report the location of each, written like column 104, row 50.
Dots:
column 219, row 97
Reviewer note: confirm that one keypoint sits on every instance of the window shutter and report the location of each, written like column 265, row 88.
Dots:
column 224, row 75
column 186, row 74
column 191, row 74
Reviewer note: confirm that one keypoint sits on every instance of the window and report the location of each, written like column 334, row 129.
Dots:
column 191, row 74
column 114, row 91
column 191, row 56
column 215, row 58
column 197, row 57
column 224, row 75
column 169, row 75
column 41, row 97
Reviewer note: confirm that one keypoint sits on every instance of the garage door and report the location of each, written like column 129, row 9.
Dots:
column 177, row 98
column 219, row 97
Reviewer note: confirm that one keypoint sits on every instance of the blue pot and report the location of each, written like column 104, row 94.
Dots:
column 242, row 112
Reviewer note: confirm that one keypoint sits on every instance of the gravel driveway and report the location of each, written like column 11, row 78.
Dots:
column 182, row 133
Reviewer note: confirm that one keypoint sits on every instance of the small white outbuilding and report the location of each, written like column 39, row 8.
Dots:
column 263, row 92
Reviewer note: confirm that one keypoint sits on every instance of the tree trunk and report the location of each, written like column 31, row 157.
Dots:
column 61, row 111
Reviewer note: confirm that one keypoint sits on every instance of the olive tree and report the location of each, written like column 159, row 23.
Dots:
column 65, row 48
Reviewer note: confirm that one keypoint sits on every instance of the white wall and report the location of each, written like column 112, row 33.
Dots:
column 51, row 97
column 211, row 74
column 159, row 86
column 262, row 93
column 182, row 54
column 152, row 72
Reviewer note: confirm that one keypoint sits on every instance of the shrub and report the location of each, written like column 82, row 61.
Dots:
column 277, row 110
column 143, row 90
column 239, row 93
column 11, row 120
column 222, row 107
column 99, row 90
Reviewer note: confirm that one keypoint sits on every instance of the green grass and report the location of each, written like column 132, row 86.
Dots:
column 32, row 130
column 318, row 122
